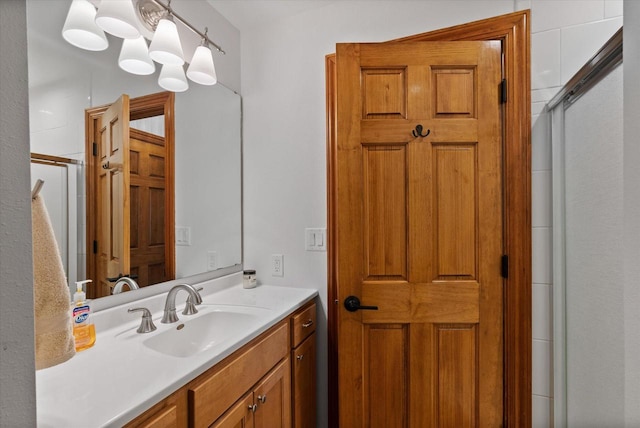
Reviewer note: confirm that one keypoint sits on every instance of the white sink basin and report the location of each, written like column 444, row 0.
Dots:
column 190, row 336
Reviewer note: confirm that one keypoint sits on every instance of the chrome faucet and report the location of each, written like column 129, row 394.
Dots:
column 133, row 285
column 170, row 304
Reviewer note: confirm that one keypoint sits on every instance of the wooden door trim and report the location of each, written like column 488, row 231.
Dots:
column 514, row 33
column 161, row 103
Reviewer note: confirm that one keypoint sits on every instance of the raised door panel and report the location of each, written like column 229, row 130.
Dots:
column 304, row 383
column 113, row 222
column 148, row 242
column 169, row 413
column 239, row 416
column 273, row 398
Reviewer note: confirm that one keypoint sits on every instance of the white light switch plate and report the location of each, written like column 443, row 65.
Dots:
column 183, row 236
column 315, row 239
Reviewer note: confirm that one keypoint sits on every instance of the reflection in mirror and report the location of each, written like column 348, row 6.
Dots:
column 64, row 81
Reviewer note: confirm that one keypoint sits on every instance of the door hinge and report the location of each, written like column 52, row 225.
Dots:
column 504, row 266
column 95, row 149
column 95, row 247
column 503, row 91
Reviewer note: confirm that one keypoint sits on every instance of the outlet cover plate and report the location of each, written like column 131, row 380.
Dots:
column 277, row 265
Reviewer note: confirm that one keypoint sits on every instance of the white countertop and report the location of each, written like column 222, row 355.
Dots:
column 119, row 378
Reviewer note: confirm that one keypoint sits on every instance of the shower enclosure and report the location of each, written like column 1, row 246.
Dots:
column 587, row 148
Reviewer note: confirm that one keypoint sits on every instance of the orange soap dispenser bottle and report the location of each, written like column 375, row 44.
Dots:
column 84, row 332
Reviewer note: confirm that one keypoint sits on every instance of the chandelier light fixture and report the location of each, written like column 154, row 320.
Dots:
column 172, row 78
column 202, row 70
column 134, row 21
column 134, row 57
column 165, row 46
column 80, row 28
column 118, row 17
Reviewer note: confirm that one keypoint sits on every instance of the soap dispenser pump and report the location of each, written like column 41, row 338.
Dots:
column 80, row 295
column 84, row 331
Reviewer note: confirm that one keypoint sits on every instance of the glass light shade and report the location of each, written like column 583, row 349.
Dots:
column 134, row 57
column 80, row 28
column 172, row 78
column 118, row 17
column 201, row 70
column 165, row 45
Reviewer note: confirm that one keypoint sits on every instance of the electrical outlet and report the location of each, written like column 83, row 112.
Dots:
column 277, row 265
column 212, row 260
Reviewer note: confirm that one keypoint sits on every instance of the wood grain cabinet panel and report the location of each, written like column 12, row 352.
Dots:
column 303, row 369
column 169, row 413
column 215, row 392
column 303, row 323
column 238, row 416
column 268, row 383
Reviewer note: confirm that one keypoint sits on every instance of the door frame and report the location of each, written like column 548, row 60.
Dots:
column 158, row 104
column 514, row 33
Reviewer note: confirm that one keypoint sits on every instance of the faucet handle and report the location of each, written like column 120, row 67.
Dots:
column 147, row 325
column 190, row 306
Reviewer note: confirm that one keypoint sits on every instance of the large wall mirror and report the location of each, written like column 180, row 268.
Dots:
column 203, row 228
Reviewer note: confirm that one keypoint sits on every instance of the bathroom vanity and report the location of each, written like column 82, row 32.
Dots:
column 247, row 357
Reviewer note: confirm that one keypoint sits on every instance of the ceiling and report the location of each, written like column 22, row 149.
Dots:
column 246, row 14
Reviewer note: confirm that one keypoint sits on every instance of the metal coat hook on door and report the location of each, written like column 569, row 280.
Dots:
column 418, row 132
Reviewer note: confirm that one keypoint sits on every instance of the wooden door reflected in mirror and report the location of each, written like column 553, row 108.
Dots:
column 130, row 193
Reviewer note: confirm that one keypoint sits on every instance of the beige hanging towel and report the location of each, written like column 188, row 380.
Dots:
column 53, row 329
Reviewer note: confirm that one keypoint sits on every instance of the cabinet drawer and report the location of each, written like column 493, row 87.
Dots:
column 302, row 325
column 216, row 392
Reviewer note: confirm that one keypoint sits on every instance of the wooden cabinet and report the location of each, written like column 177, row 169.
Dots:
column 267, row 405
column 303, row 361
column 268, row 383
column 169, row 413
column 239, row 416
column 218, row 389
column 304, row 383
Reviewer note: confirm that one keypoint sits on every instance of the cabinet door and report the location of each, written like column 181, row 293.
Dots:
column 169, row 413
column 273, row 398
column 238, row 416
column 304, row 383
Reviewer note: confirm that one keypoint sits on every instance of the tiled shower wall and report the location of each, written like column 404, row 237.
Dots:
column 564, row 35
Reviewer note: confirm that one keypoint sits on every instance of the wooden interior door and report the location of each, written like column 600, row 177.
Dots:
column 113, row 220
column 420, row 234
column 148, row 189
column 151, row 163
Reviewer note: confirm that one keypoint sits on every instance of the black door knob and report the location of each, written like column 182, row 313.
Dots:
column 352, row 304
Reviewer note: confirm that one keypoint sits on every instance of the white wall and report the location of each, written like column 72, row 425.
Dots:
column 17, row 362
column 632, row 212
column 284, row 132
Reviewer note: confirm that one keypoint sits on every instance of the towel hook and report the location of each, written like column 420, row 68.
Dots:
column 418, row 132
column 36, row 188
